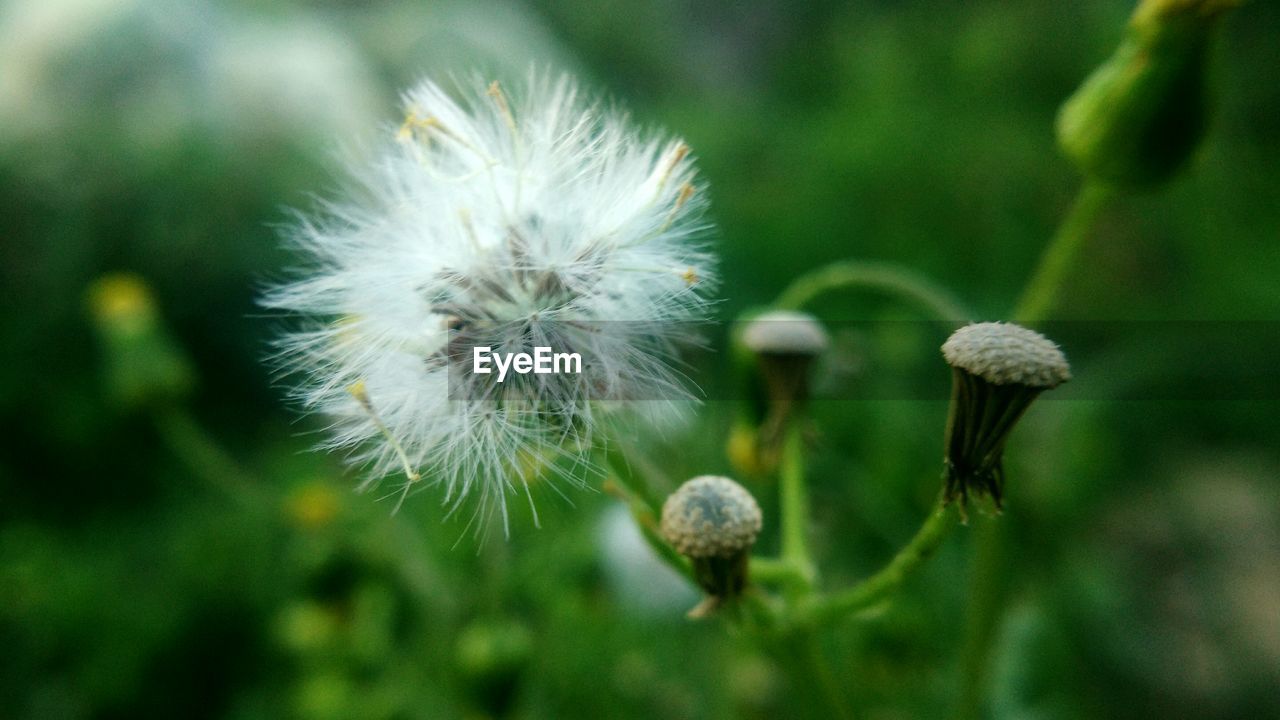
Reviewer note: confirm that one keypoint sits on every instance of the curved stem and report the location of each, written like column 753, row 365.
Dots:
column 889, row 579
column 884, row 277
column 794, row 506
column 1040, row 295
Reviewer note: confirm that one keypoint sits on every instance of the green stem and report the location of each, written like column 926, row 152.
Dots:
column 639, row 497
column 1040, row 296
column 987, row 586
column 773, row 571
column 190, row 442
column 759, row 614
column 812, row 682
column 884, row 277
column 636, row 473
column 889, row 579
column 794, row 506
column 667, row 553
column 826, row 681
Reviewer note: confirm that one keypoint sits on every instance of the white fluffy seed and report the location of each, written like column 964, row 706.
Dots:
column 535, row 219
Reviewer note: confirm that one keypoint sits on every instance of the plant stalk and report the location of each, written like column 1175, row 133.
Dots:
column 1041, row 293
column 875, row 589
column 883, row 277
column 794, row 506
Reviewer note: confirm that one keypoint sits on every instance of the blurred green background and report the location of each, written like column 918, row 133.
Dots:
column 145, row 572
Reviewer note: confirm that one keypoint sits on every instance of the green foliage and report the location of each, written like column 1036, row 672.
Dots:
column 196, row 561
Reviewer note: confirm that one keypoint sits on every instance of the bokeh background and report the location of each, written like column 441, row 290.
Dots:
column 193, row 559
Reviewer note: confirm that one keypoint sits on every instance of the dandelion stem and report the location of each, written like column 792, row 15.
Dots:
column 665, row 552
column 826, row 680
column 801, row 655
column 757, row 612
column 794, row 503
column 1040, row 296
column 987, row 586
column 636, row 473
column 773, row 571
column 627, row 485
column 884, row 277
column 191, row 443
column 890, row 578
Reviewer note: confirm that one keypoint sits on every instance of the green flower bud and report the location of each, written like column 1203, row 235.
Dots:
column 307, row 627
column 713, row 521
column 491, row 656
column 143, row 364
column 1138, row 117
column 999, row 368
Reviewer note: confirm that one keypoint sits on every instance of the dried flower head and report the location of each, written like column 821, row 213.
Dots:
column 512, row 222
column 713, row 521
column 775, row 352
column 1007, row 354
column 786, row 333
column 999, row 368
column 711, row 516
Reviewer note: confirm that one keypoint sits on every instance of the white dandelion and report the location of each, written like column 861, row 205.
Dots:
column 511, row 222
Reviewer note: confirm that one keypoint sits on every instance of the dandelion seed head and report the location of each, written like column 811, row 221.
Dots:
column 513, row 220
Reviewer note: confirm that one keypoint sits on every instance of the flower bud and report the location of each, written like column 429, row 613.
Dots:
column 713, row 521
column 142, row 362
column 1139, row 116
column 307, row 627
column 999, row 368
column 490, row 656
column 313, row 506
column 742, row 448
column 776, row 350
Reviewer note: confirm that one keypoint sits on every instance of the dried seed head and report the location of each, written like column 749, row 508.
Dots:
column 785, row 332
column 998, row 370
column 776, row 351
column 711, row 517
column 1007, row 354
